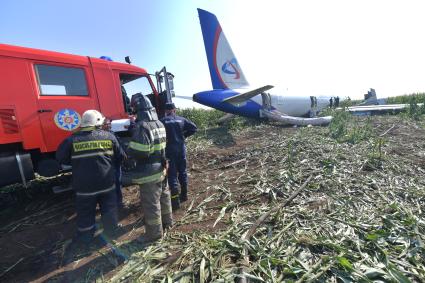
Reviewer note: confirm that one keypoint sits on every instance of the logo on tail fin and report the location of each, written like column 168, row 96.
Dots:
column 229, row 67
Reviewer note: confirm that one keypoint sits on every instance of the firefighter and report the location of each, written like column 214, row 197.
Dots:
column 147, row 149
column 178, row 128
column 92, row 152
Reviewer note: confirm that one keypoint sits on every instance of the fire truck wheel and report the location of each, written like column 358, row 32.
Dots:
column 15, row 167
column 48, row 167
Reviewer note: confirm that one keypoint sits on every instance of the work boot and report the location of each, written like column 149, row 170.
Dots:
column 77, row 249
column 167, row 221
column 110, row 223
column 167, row 226
column 144, row 241
column 113, row 233
column 175, row 202
column 183, row 194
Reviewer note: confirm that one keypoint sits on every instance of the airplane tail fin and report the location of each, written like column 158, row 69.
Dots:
column 370, row 98
column 224, row 68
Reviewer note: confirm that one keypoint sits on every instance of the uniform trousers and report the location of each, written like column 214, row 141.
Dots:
column 156, row 203
column 177, row 171
column 86, row 213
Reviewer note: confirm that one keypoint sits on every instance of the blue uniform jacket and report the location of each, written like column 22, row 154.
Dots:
column 178, row 128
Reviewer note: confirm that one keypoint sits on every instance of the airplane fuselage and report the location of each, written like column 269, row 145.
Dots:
column 230, row 92
column 299, row 106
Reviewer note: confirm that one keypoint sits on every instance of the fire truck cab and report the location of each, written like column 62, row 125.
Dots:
column 43, row 95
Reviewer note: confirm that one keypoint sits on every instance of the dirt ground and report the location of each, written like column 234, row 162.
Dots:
column 37, row 226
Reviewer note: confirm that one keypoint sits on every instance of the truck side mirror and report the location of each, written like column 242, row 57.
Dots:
column 170, row 81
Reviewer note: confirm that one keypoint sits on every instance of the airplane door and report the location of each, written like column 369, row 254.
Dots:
column 280, row 100
column 63, row 95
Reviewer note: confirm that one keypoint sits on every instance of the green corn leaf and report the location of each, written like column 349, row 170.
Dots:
column 345, row 263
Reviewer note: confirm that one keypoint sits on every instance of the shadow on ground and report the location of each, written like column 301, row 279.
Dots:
column 220, row 136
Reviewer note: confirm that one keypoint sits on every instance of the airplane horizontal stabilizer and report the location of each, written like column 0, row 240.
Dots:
column 243, row 97
column 291, row 120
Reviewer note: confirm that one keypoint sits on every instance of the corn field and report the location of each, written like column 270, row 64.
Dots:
column 337, row 204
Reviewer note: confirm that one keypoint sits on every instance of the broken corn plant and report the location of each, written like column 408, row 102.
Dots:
column 347, row 225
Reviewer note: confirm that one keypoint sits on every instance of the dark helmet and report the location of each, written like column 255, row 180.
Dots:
column 143, row 108
column 170, row 106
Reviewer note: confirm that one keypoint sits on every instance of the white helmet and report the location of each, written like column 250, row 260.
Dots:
column 92, row 118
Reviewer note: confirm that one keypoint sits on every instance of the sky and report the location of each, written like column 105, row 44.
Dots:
column 304, row 47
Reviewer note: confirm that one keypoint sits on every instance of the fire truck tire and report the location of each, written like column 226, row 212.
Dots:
column 15, row 168
column 48, row 167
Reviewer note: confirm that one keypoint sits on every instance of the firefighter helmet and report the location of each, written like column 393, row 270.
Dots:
column 143, row 108
column 170, row 106
column 92, row 118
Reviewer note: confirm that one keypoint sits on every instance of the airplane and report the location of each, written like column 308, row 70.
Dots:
column 371, row 105
column 230, row 92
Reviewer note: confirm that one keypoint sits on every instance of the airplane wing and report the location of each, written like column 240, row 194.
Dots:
column 241, row 98
column 184, row 97
column 378, row 109
column 283, row 118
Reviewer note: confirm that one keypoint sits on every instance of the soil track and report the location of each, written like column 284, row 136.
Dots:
column 35, row 231
column 34, row 234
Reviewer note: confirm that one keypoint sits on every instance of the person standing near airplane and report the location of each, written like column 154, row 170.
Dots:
column 178, row 129
column 147, row 148
column 336, row 104
column 93, row 153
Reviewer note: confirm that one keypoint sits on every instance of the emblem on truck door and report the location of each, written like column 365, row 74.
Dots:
column 67, row 119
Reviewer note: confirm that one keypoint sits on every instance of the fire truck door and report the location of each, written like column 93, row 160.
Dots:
column 64, row 93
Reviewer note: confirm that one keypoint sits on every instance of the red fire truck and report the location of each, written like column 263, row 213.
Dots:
column 43, row 95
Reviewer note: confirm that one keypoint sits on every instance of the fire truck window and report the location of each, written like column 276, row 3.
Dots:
column 55, row 80
column 134, row 84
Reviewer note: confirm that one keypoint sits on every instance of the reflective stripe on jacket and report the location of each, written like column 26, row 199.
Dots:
column 92, row 154
column 147, row 147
